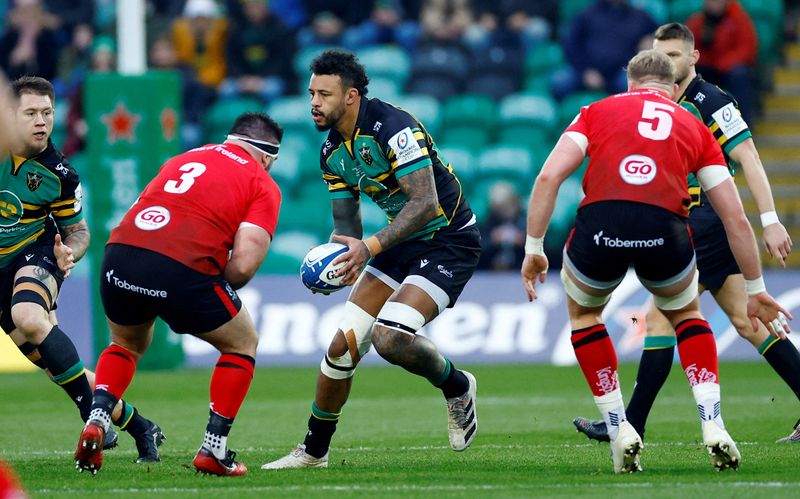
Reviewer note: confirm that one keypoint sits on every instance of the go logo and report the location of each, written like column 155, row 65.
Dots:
column 152, row 218
column 637, row 169
column 10, row 209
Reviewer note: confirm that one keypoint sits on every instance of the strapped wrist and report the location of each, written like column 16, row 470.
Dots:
column 755, row 286
column 769, row 218
column 534, row 245
column 373, row 245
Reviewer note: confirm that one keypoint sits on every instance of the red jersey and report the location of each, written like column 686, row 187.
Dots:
column 641, row 147
column 191, row 211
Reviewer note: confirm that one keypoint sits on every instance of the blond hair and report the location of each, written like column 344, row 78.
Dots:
column 651, row 66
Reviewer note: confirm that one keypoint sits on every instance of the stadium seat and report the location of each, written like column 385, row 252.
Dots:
column 221, row 115
column 287, row 250
column 567, row 9
column 537, row 110
column 303, row 58
column 543, row 59
column 373, row 218
column 536, row 84
column 533, row 137
column 510, row 162
column 440, row 87
column 425, row 108
column 463, row 162
column 681, row 10
column 386, row 61
column 308, row 210
column 431, row 59
column 469, row 109
column 571, row 106
column 569, row 197
column 472, row 137
column 658, row 9
column 770, row 11
column 384, row 88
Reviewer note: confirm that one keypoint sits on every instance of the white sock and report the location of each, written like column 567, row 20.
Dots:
column 707, row 397
column 102, row 416
column 613, row 410
column 217, row 444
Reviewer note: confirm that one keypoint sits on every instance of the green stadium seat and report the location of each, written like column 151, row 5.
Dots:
column 569, row 197
column 373, row 218
column 767, row 10
column 425, row 108
column 536, row 84
column 658, row 9
column 293, row 113
column 287, row 250
column 462, row 159
column 681, row 10
column 510, row 162
column 389, row 61
column 302, row 60
column 308, row 210
column 768, row 34
column 385, row 88
column 473, row 137
column 221, row 115
column 469, row 109
column 567, row 9
column 533, row 137
column 528, row 109
column 543, row 59
column 571, row 106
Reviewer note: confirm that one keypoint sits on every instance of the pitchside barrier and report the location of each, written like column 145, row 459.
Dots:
column 492, row 322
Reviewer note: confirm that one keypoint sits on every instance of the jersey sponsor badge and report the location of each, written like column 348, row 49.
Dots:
column 405, row 146
column 152, row 218
column 729, row 120
column 78, row 198
column 34, row 180
column 10, row 209
column 637, row 169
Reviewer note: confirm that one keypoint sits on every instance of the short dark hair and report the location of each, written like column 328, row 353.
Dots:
column 257, row 126
column 35, row 85
column 343, row 64
column 674, row 31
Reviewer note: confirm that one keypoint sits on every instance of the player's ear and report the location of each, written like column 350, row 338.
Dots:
column 695, row 56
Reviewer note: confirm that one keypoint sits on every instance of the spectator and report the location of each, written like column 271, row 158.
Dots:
column 503, row 232
column 199, row 38
column 725, row 36
column 343, row 9
column 70, row 15
column 598, row 43
column 326, row 29
column 388, row 23
column 74, row 60
column 445, row 20
column 291, row 12
column 28, row 46
column 260, row 53
column 512, row 23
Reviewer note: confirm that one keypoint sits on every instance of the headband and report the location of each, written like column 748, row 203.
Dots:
column 268, row 148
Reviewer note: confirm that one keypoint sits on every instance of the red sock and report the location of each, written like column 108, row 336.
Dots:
column 597, row 358
column 230, row 382
column 115, row 369
column 698, row 351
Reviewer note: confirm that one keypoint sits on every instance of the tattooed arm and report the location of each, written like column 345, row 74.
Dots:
column 76, row 236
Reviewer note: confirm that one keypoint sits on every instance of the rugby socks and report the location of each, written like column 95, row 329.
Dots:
column 29, row 350
column 230, row 382
column 698, row 352
column 115, row 369
column 59, row 355
column 321, row 427
column 598, row 360
column 452, row 382
column 654, row 368
column 784, row 359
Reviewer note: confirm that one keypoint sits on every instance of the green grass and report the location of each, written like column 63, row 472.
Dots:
column 392, row 438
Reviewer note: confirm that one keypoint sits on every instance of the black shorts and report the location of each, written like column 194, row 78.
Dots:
column 715, row 260
column 138, row 285
column 445, row 263
column 38, row 254
column 610, row 236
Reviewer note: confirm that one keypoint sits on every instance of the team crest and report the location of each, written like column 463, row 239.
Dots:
column 366, row 154
column 34, row 181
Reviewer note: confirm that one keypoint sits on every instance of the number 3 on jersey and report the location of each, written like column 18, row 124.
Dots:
column 193, row 170
column 656, row 121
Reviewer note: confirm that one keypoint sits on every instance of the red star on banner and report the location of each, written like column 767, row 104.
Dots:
column 169, row 123
column 121, row 124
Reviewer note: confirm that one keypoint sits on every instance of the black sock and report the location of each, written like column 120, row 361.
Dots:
column 654, row 367
column 453, row 383
column 29, row 351
column 318, row 438
column 131, row 421
column 785, row 360
column 65, row 366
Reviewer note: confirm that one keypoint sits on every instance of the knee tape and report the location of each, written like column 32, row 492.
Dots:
column 681, row 299
column 580, row 296
column 400, row 317
column 356, row 325
column 30, row 290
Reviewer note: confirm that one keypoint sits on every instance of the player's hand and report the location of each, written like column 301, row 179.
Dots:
column 763, row 308
column 354, row 259
column 777, row 242
column 64, row 256
column 533, row 267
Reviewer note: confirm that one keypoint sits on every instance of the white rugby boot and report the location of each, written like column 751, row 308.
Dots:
column 462, row 416
column 298, row 458
column 721, row 447
column 626, row 449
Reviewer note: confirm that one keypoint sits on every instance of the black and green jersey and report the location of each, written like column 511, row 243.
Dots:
column 387, row 144
column 34, row 193
column 720, row 112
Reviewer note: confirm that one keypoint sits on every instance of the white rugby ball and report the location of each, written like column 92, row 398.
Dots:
column 317, row 271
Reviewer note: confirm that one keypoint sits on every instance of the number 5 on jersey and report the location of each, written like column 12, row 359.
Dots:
column 656, row 123
column 193, row 170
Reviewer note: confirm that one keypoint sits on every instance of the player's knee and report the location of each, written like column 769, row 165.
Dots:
column 580, row 296
column 395, row 328
column 350, row 344
column 743, row 327
column 31, row 321
column 681, row 299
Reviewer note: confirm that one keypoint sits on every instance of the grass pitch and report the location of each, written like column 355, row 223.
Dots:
column 392, row 439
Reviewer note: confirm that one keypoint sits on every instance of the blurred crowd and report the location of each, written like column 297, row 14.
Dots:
column 229, row 49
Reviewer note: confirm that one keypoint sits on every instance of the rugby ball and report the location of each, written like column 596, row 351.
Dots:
column 317, row 271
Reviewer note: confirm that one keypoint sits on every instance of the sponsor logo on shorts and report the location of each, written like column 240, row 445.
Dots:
column 123, row 284
column 637, row 169
column 615, row 242
column 444, row 271
column 152, row 218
